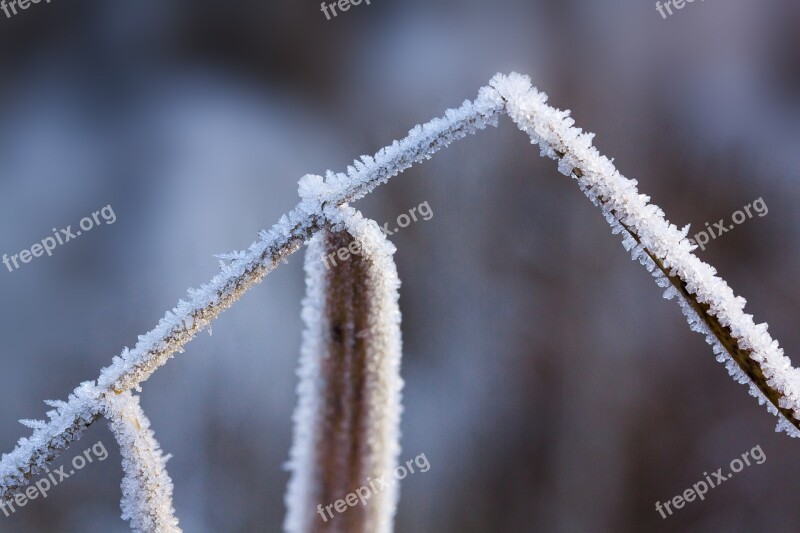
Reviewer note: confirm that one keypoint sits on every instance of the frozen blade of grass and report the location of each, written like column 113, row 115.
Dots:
column 709, row 304
column 146, row 487
column 724, row 337
column 348, row 414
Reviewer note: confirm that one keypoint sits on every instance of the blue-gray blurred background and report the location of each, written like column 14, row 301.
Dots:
column 548, row 383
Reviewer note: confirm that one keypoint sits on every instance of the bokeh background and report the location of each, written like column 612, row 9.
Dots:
column 548, row 383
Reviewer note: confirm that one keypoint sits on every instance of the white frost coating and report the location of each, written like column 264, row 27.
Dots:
column 66, row 423
column 240, row 270
column 301, row 492
column 382, row 383
column 244, row 269
column 554, row 132
column 146, row 487
column 180, row 325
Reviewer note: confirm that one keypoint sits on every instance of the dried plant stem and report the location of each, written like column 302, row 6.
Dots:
column 346, row 423
column 692, row 307
column 245, row 270
column 725, row 337
column 711, row 307
column 709, row 304
column 146, row 487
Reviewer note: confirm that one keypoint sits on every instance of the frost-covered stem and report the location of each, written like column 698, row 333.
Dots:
column 247, row 268
column 709, row 304
column 723, row 337
column 146, row 487
column 347, row 420
column 68, row 420
column 747, row 349
column 242, row 272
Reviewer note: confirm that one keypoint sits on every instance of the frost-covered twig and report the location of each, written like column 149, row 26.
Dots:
column 249, row 267
column 348, row 415
column 711, row 307
column 146, row 487
column 67, row 421
column 244, row 270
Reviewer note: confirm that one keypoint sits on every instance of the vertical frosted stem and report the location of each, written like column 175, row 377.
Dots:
column 346, row 423
column 146, row 487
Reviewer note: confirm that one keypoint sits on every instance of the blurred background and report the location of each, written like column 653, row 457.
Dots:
column 548, row 383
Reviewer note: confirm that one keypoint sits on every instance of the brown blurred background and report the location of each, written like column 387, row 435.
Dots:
column 548, row 383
